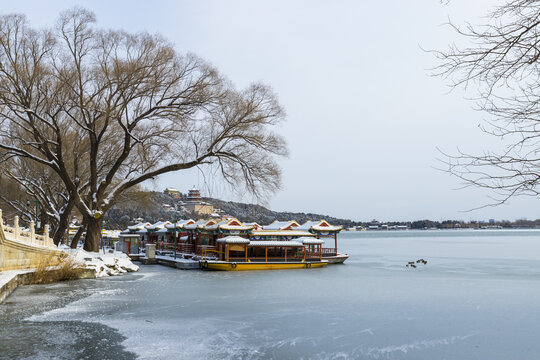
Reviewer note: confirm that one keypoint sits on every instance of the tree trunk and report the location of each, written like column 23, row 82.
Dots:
column 59, row 233
column 77, row 236
column 93, row 234
column 63, row 223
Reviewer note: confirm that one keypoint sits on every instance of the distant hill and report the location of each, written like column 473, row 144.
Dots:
column 261, row 215
column 150, row 207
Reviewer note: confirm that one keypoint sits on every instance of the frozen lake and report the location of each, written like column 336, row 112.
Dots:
column 477, row 298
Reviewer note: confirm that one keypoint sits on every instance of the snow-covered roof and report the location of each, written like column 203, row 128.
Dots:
column 214, row 225
column 287, row 233
column 233, row 240
column 275, row 243
column 180, row 224
column 129, row 235
column 229, row 224
column 307, row 225
column 254, row 225
column 321, row 225
column 158, row 225
column 281, row 225
column 139, row 226
column 236, row 227
column 309, row 241
column 198, row 224
column 111, row 234
column 327, row 228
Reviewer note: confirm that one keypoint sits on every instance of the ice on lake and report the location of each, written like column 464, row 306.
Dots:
column 476, row 298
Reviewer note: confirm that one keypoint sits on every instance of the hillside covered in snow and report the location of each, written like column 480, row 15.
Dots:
column 156, row 206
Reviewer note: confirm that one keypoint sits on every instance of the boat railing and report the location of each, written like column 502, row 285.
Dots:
column 206, row 251
column 169, row 247
column 201, row 248
column 329, row 251
column 312, row 254
column 269, row 259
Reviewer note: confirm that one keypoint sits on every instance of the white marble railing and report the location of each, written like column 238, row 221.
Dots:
column 26, row 235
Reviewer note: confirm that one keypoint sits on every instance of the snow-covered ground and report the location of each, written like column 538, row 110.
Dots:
column 109, row 263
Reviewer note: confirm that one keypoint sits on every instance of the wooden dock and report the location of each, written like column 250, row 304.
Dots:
column 179, row 263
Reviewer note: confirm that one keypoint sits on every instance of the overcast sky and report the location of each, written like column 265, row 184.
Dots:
column 364, row 119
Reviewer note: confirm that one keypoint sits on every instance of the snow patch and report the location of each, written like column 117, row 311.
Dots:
column 108, row 264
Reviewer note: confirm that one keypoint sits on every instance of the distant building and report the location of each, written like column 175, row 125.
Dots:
column 172, row 192
column 195, row 204
column 194, row 196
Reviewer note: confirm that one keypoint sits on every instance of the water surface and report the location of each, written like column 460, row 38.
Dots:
column 477, row 298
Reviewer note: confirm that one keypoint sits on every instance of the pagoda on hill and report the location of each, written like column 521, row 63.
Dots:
column 194, row 203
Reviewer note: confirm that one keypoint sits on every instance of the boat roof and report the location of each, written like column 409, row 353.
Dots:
column 309, row 240
column 233, row 240
column 158, row 225
column 254, row 225
column 280, row 233
column 198, row 224
column 266, row 243
column 321, row 225
column 129, row 235
column 139, row 226
column 229, row 224
column 281, row 225
column 180, row 223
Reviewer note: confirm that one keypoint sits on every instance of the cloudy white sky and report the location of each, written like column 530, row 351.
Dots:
column 364, row 118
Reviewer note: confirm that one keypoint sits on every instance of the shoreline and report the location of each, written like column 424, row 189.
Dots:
column 10, row 280
column 91, row 266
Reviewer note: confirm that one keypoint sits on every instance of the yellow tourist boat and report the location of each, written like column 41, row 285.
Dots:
column 245, row 266
column 236, row 253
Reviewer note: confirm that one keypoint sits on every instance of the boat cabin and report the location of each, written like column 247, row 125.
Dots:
column 235, row 248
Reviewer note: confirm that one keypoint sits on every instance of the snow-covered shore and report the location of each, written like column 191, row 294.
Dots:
column 110, row 263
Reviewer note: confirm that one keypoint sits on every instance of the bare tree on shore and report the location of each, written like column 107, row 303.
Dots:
column 502, row 63
column 108, row 110
column 40, row 184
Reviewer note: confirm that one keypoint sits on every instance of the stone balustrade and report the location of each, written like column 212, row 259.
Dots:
column 17, row 233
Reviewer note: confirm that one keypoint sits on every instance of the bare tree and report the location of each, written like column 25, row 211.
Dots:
column 502, row 63
column 41, row 184
column 13, row 199
column 108, row 110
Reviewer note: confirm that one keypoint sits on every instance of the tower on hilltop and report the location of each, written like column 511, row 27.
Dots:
column 194, row 203
column 194, row 196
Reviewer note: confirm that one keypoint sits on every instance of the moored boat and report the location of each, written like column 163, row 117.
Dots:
column 237, row 254
column 280, row 242
column 271, row 265
column 323, row 230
